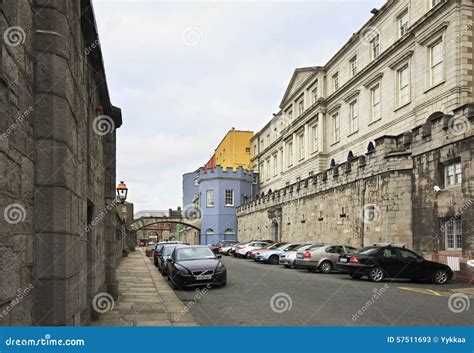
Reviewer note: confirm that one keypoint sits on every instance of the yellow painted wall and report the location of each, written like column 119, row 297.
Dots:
column 235, row 150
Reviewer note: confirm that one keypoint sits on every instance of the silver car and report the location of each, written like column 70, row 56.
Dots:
column 272, row 257
column 323, row 258
column 288, row 258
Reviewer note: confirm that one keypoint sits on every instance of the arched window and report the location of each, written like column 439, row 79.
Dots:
column 333, row 163
column 350, row 156
column 229, row 231
column 370, row 147
column 209, row 231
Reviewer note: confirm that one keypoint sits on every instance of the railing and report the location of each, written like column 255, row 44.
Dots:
column 458, row 264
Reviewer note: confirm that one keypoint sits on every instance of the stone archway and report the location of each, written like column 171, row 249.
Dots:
column 275, row 230
column 275, row 216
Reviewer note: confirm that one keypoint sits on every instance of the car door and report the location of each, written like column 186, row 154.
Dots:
column 412, row 267
column 333, row 253
column 389, row 261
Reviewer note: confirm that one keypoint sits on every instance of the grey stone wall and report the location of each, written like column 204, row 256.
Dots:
column 55, row 164
column 384, row 196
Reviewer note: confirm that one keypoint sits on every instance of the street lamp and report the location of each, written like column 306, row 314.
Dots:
column 122, row 192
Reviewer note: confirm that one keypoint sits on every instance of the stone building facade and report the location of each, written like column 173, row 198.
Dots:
column 359, row 144
column 58, row 231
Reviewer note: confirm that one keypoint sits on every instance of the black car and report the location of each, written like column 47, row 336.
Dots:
column 163, row 257
column 379, row 262
column 159, row 248
column 195, row 265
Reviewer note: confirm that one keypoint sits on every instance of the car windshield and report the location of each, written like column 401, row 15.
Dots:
column 192, row 253
column 168, row 250
column 368, row 250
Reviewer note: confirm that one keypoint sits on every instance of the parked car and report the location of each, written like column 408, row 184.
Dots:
column 244, row 251
column 159, row 247
column 323, row 258
column 236, row 246
column 273, row 246
column 142, row 242
column 217, row 247
column 272, row 257
column 287, row 259
column 164, row 255
column 195, row 265
column 227, row 248
column 391, row 261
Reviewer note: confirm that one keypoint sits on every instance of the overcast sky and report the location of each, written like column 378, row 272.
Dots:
column 184, row 73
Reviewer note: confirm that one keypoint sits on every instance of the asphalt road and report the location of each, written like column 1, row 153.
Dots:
column 301, row 298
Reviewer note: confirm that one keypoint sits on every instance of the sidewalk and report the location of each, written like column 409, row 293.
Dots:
column 145, row 297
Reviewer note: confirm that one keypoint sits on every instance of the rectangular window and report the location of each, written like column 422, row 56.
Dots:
column 229, row 197
column 452, row 174
column 301, row 107
column 453, row 234
column 353, row 65
column 335, row 128
column 290, row 153
column 247, row 150
column 267, row 169
column 375, row 99
column 262, row 144
column 354, row 115
column 314, row 138
column 314, row 93
column 437, row 63
column 335, row 81
column 275, row 164
column 289, row 115
column 210, row 198
column 403, row 86
column 403, row 24
column 375, row 46
column 301, row 146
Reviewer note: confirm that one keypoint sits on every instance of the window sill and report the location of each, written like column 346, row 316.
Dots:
column 209, row 206
column 229, row 206
column 447, row 188
column 435, row 86
column 334, row 143
column 314, row 153
column 301, row 159
column 402, row 106
column 353, row 133
column 374, row 121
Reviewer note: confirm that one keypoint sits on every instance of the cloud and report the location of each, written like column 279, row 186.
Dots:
column 180, row 94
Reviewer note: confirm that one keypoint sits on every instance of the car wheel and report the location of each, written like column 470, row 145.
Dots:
column 273, row 260
column 228, row 253
column 440, row 277
column 247, row 255
column 356, row 275
column 376, row 274
column 326, row 267
column 287, row 266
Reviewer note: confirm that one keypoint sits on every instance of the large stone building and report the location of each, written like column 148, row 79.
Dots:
column 58, row 228
column 376, row 145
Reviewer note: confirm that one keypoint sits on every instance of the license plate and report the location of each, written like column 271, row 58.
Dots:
column 203, row 277
column 343, row 259
column 300, row 256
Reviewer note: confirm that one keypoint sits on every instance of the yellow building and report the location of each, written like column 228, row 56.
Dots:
column 235, row 150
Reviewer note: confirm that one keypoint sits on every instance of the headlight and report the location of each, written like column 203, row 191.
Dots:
column 220, row 268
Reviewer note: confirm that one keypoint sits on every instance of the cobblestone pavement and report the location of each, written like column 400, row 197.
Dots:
column 145, row 297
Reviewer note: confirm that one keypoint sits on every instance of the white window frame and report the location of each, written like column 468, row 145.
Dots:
column 289, row 149
column 353, row 66
column 229, row 198
column 210, row 198
column 300, row 105
column 336, row 127
column 275, row 164
column 403, row 23
column 375, row 46
column 354, row 115
column 452, row 171
column 453, row 235
column 403, row 85
column 437, row 63
column 301, row 146
column 315, row 138
column 375, row 103
column 268, row 170
column 335, row 81
column 315, row 93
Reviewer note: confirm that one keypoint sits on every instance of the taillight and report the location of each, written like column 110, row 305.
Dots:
column 354, row 260
column 307, row 255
